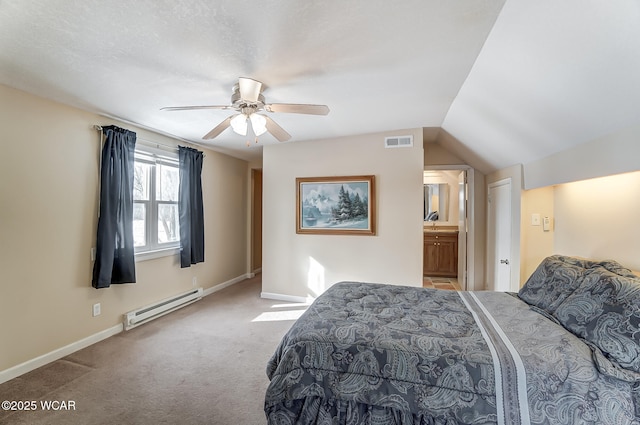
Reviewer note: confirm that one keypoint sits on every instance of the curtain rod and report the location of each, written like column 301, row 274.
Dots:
column 149, row 142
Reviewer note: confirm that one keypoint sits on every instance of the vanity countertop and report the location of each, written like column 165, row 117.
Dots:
column 440, row 229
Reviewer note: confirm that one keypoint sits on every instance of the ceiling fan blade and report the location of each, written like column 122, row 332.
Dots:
column 190, row 108
column 219, row 128
column 249, row 89
column 296, row 108
column 276, row 131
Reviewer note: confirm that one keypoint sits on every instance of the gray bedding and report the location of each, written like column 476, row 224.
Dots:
column 368, row 353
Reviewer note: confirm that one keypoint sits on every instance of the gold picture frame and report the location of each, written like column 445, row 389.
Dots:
column 338, row 205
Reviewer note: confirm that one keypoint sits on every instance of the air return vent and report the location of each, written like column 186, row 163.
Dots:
column 398, row 142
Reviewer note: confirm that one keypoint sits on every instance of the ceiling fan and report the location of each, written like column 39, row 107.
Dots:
column 248, row 101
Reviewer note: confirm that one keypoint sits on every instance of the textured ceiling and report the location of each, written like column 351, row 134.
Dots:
column 511, row 84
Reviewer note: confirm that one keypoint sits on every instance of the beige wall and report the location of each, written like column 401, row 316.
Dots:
column 48, row 215
column 598, row 219
column 536, row 244
column 579, row 226
column 435, row 154
column 595, row 218
column 305, row 265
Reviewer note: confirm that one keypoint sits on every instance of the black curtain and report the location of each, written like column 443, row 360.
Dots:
column 115, row 261
column 190, row 207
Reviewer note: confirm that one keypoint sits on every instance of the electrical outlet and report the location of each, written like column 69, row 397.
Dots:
column 194, row 281
column 535, row 219
column 93, row 254
column 96, row 309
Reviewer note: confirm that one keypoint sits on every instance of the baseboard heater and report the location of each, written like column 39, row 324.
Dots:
column 150, row 312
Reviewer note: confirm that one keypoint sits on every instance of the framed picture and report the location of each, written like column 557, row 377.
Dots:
column 336, row 205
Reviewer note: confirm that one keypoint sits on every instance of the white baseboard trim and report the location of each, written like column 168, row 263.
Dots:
column 288, row 298
column 230, row 282
column 29, row 365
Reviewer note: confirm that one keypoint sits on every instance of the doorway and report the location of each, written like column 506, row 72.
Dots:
column 256, row 220
column 456, row 225
column 499, row 236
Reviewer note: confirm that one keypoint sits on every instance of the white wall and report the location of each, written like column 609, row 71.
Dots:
column 598, row 219
column 305, row 265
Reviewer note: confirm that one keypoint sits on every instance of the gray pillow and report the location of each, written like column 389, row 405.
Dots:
column 605, row 311
column 553, row 281
column 617, row 268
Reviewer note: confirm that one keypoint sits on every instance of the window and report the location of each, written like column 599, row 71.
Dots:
column 155, row 202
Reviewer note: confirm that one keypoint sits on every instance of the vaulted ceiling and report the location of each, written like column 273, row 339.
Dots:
column 507, row 81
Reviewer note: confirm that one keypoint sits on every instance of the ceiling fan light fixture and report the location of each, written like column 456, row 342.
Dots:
column 258, row 123
column 247, row 100
column 239, row 124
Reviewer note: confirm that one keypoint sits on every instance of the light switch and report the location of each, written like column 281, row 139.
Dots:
column 535, row 219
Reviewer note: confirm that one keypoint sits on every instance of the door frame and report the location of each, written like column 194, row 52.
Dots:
column 255, row 225
column 491, row 234
column 465, row 277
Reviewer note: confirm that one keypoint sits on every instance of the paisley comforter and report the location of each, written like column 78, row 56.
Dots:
column 368, row 353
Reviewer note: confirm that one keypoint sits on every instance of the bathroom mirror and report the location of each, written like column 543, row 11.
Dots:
column 436, row 202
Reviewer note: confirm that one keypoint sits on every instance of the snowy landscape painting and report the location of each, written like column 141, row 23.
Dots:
column 335, row 205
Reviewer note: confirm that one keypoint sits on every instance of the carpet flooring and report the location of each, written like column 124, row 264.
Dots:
column 203, row 364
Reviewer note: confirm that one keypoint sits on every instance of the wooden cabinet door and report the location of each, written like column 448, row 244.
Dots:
column 448, row 258
column 430, row 256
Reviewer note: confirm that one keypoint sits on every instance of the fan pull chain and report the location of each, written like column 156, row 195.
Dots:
column 249, row 143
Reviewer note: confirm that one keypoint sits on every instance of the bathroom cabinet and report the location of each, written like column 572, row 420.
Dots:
column 440, row 254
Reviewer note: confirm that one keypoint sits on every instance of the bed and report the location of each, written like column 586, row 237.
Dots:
column 565, row 349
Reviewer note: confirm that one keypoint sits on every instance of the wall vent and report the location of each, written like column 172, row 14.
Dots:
column 398, row 142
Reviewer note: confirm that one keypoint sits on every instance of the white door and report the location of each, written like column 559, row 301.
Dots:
column 499, row 235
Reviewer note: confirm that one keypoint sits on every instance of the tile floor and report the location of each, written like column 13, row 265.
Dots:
column 441, row 283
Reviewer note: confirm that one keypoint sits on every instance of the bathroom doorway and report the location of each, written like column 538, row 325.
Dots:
column 447, row 227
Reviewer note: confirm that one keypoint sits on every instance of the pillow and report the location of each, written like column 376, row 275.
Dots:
column 558, row 276
column 605, row 311
column 553, row 281
column 617, row 268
